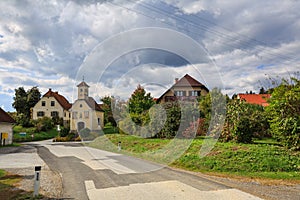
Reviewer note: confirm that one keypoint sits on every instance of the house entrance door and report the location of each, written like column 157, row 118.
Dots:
column 80, row 126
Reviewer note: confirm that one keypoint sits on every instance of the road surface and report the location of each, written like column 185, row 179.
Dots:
column 94, row 174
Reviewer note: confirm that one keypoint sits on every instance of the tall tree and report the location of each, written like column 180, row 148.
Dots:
column 139, row 104
column 24, row 101
column 20, row 100
column 107, row 107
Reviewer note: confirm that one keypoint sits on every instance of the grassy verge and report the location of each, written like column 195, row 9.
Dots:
column 43, row 135
column 8, row 188
column 264, row 159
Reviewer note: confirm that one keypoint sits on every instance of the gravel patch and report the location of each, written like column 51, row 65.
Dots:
column 50, row 184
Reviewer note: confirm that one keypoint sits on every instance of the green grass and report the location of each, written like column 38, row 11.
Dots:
column 263, row 159
column 108, row 129
column 43, row 135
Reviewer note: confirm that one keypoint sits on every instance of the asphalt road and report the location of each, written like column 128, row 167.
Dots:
column 89, row 173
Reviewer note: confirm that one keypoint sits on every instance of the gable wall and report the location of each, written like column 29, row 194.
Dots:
column 47, row 109
column 7, row 128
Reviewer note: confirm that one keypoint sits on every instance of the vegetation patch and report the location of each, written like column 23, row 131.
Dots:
column 264, row 159
column 9, row 190
column 32, row 134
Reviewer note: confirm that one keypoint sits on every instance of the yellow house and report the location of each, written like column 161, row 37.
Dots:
column 6, row 130
column 85, row 112
column 51, row 105
column 185, row 89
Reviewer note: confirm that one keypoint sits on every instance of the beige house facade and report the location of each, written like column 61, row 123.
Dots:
column 86, row 112
column 51, row 105
column 6, row 128
column 185, row 89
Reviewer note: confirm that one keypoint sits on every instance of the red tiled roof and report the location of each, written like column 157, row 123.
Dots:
column 260, row 99
column 83, row 84
column 61, row 99
column 4, row 117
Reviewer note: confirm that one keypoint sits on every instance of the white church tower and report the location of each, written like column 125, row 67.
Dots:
column 83, row 90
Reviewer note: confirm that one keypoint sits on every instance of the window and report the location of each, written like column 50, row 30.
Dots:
column 194, row 93
column 43, row 103
column 80, row 105
column 179, row 93
column 40, row 114
column 54, row 114
column 99, row 122
column 86, row 114
column 80, row 115
column 52, row 103
column 74, row 115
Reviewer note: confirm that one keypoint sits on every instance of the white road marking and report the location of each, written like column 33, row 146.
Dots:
column 93, row 158
column 165, row 190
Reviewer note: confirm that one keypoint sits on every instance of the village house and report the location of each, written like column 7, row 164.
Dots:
column 187, row 89
column 6, row 128
column 259, row 99
column 52, row 104
column 85, row 111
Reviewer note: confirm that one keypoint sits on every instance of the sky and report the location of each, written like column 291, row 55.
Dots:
column 114, row 45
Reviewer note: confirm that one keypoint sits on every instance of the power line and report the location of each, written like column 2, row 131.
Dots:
column 255, row 43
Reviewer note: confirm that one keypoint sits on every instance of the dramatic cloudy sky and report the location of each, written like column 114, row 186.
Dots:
column 117, row 44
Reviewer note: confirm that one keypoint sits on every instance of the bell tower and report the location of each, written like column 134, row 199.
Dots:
column 83, row 90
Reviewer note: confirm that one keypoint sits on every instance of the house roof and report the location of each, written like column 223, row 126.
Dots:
column 259, row 99
column 4, row 117
column 83, row 84
column 93, row 104
column 61, row 99
column 186, row 81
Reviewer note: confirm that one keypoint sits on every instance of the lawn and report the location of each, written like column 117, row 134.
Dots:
column 43, row 135
column 263, row 159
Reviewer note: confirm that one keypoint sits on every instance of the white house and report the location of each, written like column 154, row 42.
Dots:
column 51, row 105
column 85, row 111
column 6, row 128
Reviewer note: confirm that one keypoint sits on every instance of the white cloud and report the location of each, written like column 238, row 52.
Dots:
column 45, row 42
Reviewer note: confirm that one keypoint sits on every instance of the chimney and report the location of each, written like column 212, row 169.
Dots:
column 176, row 80
column 50, row 89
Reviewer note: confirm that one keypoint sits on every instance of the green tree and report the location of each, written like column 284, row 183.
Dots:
column 24, row 102
column 107, row 107
column 244, row 121
column 284, row 113
column 139, row 104
column 33, row 96
column 20, row 100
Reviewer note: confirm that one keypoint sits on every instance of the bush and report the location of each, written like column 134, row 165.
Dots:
column 23, row 120
column 43, row 124
column 244, row 121
column 64, row 131
column 284, row 113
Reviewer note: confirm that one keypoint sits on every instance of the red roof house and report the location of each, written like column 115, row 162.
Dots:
column 259, row 99
column 6, row 130
column 187, row 88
